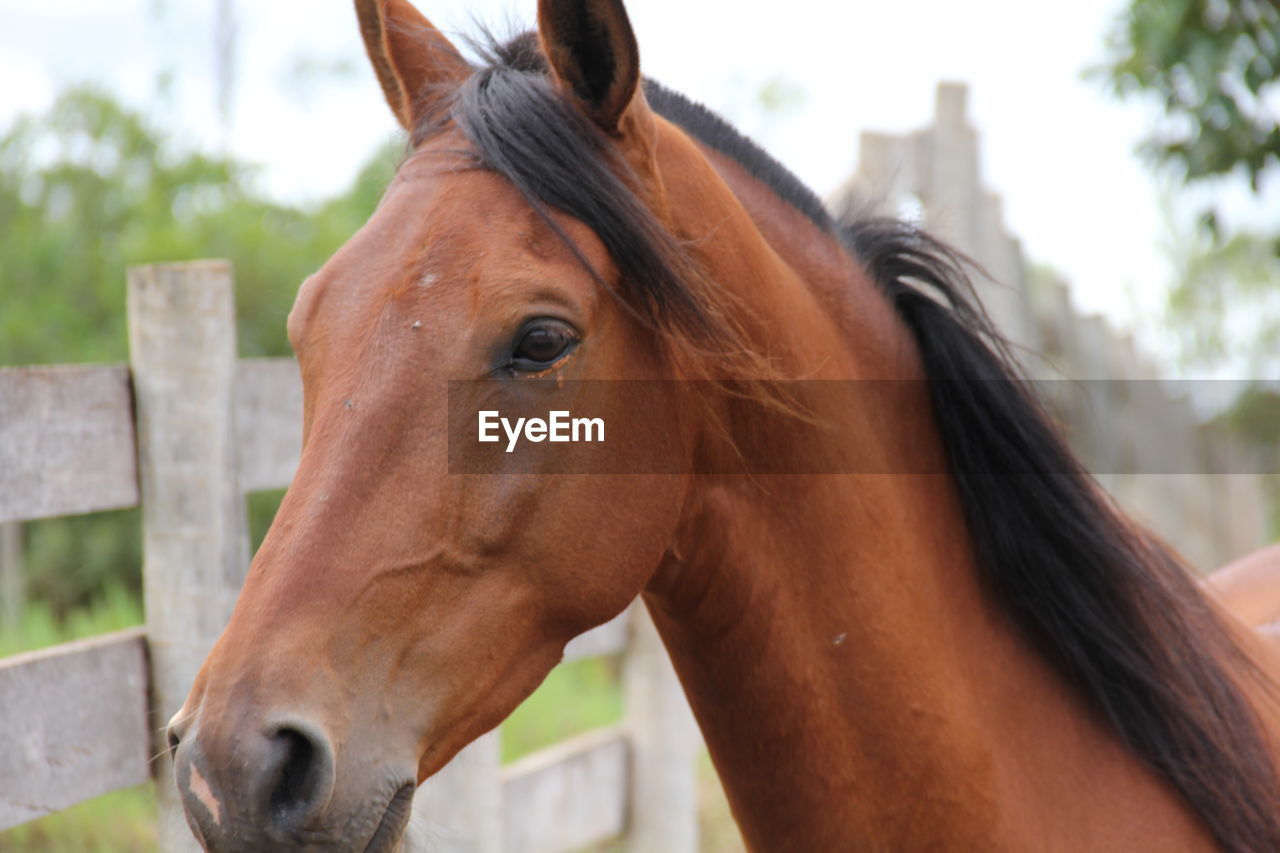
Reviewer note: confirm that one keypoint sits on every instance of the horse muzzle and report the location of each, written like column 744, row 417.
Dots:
column 275, row 788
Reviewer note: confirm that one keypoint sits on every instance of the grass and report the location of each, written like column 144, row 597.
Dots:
column 575, row 697
column 123, row 821
column 117, row 608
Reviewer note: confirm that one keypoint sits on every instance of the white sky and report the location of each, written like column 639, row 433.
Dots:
column 1057, row 148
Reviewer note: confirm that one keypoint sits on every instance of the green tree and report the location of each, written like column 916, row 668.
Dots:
column 91, row 187
column 1214, row 68
column 87, row 189
column 1214, row 65
column 1224, row 302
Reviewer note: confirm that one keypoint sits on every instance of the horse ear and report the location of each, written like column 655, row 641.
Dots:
column 416, row 65
column 593, row 55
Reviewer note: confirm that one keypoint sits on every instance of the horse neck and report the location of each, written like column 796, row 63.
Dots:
column 856, row 685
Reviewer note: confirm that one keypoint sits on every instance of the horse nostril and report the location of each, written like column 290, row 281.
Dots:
column 175, row 732
column 173, row 740
column 299, row 776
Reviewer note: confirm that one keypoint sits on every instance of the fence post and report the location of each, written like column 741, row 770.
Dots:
column 664, row 744
column 182, row 351
column 460, row 808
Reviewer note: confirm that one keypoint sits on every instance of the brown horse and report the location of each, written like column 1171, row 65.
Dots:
column 958, row 646
column 1250, row 588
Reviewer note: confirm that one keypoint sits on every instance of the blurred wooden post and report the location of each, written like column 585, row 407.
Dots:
column 13, row 583
column 460, row 808
column 182, row 345
column 663, row 809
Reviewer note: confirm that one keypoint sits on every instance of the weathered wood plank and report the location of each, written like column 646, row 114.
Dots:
column 182, row 348
column 66, row 441
column 74, row 724
column 663, row 808
column 66, row 435
column 268, row 422
column 567, row 796
column 459, row 809
column 607, row 639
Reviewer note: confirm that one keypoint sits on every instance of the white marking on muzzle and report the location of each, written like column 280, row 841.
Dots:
column 204, row 794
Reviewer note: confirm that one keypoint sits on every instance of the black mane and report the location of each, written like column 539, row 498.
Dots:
column 1111, row 609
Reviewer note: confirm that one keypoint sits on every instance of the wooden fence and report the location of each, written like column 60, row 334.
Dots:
column 185, row 430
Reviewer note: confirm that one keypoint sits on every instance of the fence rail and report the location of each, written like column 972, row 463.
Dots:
column 75, row 724
column 184, row 431
column 66, row 441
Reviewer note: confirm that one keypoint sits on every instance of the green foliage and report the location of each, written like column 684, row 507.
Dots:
column 116, row 607
column 1212, row 64
column 91, row 187
column 574, row 698
column 1223, row 303
column 70, row 563
column 1258, row 415
column 262, row 508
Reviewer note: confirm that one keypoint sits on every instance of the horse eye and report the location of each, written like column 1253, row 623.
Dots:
column 542, row 344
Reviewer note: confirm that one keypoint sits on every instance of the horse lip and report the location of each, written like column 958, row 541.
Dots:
column 394, row 820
